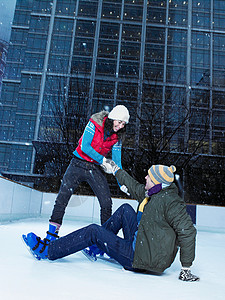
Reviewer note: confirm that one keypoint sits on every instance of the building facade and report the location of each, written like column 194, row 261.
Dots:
column 3, row 55
column 163, row 59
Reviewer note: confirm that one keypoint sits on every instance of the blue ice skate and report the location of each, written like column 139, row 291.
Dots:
column 35, row 255
column 38, row 247
column 92, row 252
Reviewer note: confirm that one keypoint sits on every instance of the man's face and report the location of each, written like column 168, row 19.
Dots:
column 149, row 184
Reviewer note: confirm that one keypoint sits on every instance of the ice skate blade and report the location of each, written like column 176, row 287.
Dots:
column 91, row 258
column 24, row 238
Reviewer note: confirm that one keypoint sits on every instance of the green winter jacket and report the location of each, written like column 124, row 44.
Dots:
column 164, row 226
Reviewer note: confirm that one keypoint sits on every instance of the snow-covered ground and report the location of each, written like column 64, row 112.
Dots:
column 75, row 277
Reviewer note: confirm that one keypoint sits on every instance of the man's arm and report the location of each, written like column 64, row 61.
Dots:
column 135, row 189
column 181, row 222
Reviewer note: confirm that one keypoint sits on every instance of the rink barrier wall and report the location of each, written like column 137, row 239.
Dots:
column 18, row 201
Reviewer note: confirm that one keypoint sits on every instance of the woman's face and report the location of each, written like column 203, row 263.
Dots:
column 117, row 125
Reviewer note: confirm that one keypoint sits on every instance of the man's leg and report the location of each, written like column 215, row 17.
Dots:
column 124, row 218
column 116, row 247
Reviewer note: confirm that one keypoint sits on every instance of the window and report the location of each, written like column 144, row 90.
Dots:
column 219, row 51
column 133, row 12
column 21, row 18
column 156, row 15
column 218, row 99
column 109, row 31
column 36, row 42
column 111, row 10
column 43, row 6
column 16, row 54
column 81, row 65
column 60, row 44
column 107, row 49
column 24, row 128
column 153, row 71
column 19, row 36
column 85, row 28
column 4, row 155
column 9, row 93
column 88, row 8
column 201, row 13
column 200, row 98
column 39, row 24
column 63, row 26
column 27, row 103
column 104, row 89
column 7, row 115
column 58, row 63
column 130, row 51
column 131, row 33
column 34, row 61
column 30, row 83
column 66, row 7
column 219, row 14
column 83, row 46
column 106, row 66
column 20, row 158
column 176, row 74
column 129, row 69
column 152, row 94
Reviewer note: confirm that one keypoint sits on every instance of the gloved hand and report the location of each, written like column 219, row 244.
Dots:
column 124, row 189
column 186, row 275
column 109, row 166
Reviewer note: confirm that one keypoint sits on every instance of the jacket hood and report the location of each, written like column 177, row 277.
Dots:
column 99, row 117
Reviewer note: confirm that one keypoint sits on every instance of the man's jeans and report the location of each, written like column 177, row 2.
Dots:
column 105, row 237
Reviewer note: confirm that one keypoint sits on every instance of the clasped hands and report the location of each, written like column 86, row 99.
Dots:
column 110, row 167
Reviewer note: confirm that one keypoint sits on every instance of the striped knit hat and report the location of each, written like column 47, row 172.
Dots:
column 162, row 174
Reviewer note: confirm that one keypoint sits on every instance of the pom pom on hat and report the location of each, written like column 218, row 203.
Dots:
column 162, row 174
column 119, row 112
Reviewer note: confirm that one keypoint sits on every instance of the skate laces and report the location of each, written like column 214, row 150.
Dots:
column 45, row 242
column 52, row 234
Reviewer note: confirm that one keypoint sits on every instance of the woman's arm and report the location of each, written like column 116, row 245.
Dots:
column 86, row 147
column 116, row 154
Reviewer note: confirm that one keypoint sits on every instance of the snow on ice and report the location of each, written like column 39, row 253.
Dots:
column 75, row 277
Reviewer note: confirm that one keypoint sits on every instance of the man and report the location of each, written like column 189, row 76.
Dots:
column 151, row 237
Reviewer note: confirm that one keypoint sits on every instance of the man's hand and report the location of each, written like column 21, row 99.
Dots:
column 124, row 189
column 109, row 166
column 186, row 275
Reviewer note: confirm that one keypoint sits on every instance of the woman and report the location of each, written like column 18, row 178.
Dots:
column 103, row 134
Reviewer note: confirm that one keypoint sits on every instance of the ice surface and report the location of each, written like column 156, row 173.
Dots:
column 75, row 277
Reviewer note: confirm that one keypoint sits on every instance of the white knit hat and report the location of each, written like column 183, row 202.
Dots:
column 119, row 112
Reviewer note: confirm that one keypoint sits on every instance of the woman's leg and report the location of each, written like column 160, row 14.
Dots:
column 81, row 171
column 70, row 181
column 100, row 187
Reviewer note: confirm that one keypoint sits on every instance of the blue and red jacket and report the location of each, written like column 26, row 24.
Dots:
column 93, row 146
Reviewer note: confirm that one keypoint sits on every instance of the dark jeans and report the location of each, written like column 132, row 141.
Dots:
column 77, row 172
column 105, row 237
